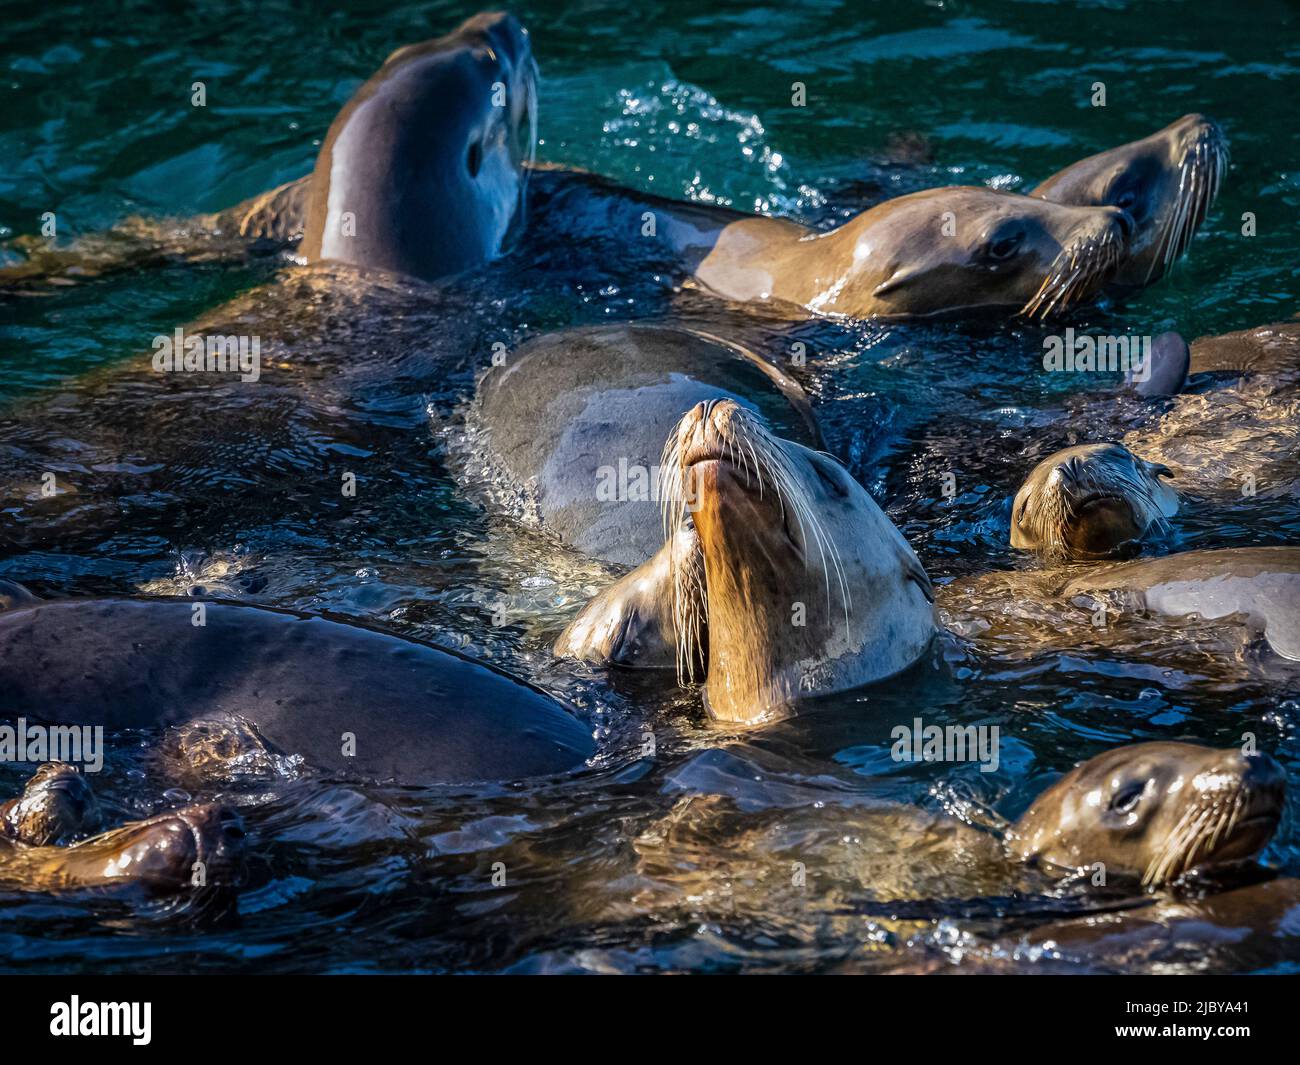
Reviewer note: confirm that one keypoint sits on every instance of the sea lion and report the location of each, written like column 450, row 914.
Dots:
column 1224, row 593
column 572, row 425
column 1266, row 349
column 1156, row 816
column 194, row 853
column 785, row 578
column 932, row 252
column 421, row 173
column 1259, row 585
column 1165, row 182
column 346, row 699
column 1091, row 501
column 1154, row 811
column 56, row 805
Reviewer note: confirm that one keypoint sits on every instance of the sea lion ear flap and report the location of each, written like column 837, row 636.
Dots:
column 14, row 596
column 913, row 571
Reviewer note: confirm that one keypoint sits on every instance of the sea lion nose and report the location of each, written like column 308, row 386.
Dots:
column 1072, row 471
column 1125, row 222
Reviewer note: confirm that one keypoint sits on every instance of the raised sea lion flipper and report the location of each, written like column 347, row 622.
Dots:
column 1166, row 371
column 630, row 623
column 56, row 805
column 14, row 596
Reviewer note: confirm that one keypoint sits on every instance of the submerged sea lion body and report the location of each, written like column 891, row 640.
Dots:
column 1164, row 809
column 574, row 424
column 418, row 714
column 1222, row 592
column 1261, row 585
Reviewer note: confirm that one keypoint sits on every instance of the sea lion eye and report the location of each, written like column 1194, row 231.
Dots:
column 474, row 158
column 1127, row 797
column 1002, row 248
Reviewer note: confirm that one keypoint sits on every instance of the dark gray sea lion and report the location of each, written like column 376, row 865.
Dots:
column 1165, row 182
column 573, row 425
column 347, row 699
column 421, row 173
column 1091, row 501
column 785, row 579
column 1154, row 812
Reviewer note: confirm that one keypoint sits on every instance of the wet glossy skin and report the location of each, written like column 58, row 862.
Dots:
column 928, row 253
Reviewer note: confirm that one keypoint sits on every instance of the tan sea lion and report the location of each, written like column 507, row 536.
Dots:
column 932, row 252
column 1165, row 182
column 195, row 853
column 1091, row 501
column 785, row 578
column 1151, row 817
column 1154, row 811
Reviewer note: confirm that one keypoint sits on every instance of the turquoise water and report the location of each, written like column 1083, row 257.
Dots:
column 691, row 102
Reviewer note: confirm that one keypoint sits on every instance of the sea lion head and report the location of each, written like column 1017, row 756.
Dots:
column 962, row 248
column 1154, row 811
column 422, row 172
column 1092, row 501
column 56, row 805
column 799, row 583
column 1165, row 182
